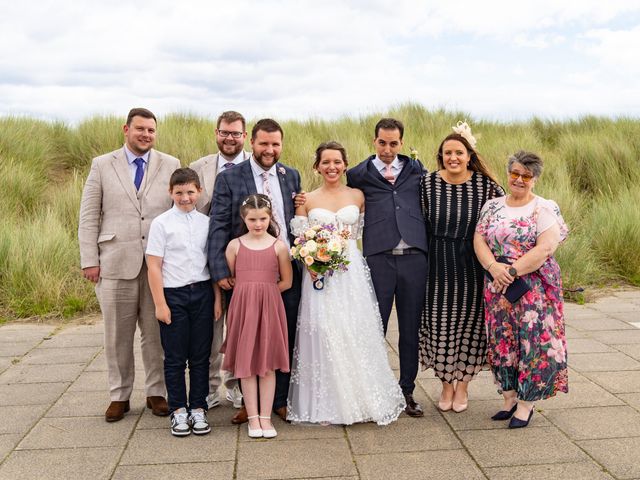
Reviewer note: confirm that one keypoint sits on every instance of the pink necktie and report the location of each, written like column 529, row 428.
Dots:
column 388, row 174
column 266, row 189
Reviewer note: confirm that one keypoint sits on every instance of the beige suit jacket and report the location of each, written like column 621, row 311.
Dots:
column 115, row 219
column 207, row 170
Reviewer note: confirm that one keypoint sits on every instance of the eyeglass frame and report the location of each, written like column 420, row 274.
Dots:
column 227, row 133
column 526, row 177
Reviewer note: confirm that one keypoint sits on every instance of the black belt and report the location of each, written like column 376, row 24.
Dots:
column 405, row 251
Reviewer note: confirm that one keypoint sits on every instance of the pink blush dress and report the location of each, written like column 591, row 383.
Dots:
column 257, row 340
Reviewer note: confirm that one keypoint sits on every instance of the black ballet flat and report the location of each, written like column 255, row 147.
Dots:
column 505, row 414
column 517, row 423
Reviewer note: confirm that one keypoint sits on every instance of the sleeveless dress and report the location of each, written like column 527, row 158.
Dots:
column 340, row 372
column 256, row 322
column 527, row 348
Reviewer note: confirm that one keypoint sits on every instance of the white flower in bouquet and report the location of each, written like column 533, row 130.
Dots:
column 334, row 246
column 309, row 234
column 304, row 251
column 311, row 246
column 308, row 260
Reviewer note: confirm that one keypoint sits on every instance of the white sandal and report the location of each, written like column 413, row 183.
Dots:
column 254, row 433
column 270, row 433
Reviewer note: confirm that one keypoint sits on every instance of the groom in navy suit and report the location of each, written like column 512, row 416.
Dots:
column 231, row 187
column 395, row 242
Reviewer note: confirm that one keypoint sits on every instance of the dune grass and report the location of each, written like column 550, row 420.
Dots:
column 591, row 170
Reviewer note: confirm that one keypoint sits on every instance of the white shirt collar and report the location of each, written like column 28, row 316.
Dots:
column 258, row 170
column 132, row 156
column 236, row 160
column 177, row 211
column 380, row 165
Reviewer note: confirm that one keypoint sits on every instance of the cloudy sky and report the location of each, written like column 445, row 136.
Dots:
column 501, row 60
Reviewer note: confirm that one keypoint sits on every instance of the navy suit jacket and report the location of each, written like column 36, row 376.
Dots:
column 231, row 188
column 391, row 211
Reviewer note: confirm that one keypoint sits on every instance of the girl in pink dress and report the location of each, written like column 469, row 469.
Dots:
column 256, row 343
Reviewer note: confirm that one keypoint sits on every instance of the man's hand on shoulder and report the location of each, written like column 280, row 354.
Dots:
column 300, row 199
column 91, row 273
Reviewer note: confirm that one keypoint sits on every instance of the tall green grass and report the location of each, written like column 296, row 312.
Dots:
column 591, row 169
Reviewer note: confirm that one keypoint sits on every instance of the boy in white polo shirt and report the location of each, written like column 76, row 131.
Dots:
column 186, row 302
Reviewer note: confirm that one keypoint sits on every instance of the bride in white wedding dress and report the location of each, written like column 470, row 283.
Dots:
column 340, row 371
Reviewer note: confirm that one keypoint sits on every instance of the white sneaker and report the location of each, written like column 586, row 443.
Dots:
column 179, row 423
column 213, row 399
column 198, row 421
column 235, row 396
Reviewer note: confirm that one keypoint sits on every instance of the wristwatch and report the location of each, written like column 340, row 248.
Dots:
column 513, row 272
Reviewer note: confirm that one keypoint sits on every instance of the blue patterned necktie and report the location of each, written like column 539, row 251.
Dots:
column 139, row 172
column 228, row 165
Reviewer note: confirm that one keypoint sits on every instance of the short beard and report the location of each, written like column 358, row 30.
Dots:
column 259, row 161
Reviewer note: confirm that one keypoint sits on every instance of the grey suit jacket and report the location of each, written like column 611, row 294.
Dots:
column 115, row 219
column 207, row 170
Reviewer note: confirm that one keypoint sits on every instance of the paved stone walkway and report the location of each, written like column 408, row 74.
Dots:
column 53, row 396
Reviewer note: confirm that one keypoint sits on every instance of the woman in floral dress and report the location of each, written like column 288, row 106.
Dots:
column 516, row 237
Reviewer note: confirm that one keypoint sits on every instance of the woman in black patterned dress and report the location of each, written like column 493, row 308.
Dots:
column 452, row 332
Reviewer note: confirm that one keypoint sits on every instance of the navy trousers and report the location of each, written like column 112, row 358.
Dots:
column 403, row 278
column 187, row 342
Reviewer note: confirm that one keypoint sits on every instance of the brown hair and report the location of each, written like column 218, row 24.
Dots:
column 230, row 116
column 183, row 176
column 140, row 112
column 389, row 124
column 267, row 125
column 332, row 145
column 257, row 201
column 477, row 163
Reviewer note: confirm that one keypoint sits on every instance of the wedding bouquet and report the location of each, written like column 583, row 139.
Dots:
column 323, row 249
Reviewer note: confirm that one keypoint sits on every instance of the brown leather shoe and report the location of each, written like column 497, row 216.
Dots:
column 240, row 417
column 282, row 413
column 413, row 408
column 116, row 411
column 158, row 406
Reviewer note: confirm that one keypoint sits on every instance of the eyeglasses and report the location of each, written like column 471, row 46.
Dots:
column 526, row 177
column 226, row 133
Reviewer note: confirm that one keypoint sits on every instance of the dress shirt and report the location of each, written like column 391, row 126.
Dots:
column 396, row 168
column 132, row 166
column 276, row 194
column 223, row 161
column 181, row 240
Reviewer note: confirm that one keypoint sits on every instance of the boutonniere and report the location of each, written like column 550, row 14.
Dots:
column 414, row 153
column 293, row 195
column 281, row 170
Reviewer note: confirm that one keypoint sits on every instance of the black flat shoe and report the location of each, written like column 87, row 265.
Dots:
column 517, row 423
column 505, row 414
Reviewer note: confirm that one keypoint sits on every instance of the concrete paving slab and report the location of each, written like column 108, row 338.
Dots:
column 181, row 471
column 434, row 465
column 619, row 455
column 613, row 305
column 92, row 404
column 613, row 337
column 597, row 422
column 77, row 432
column 289, row 432
column 571, row 332
column 602, row 362
column 574, row 471
column 60, row 464
column 632, row 399
column 501, row 448
column 632, row 350
column 481, row 388
column 581, row 394
column 31, row 393
column 19, row 419
column 615, row 382
column 48, row 356
column 599, row 323
column 587, row 345
column 80, row 340
column 8, row 441
column 40, row 373
column 89, row 329
column 17, row 349
column 478, row 417
column 99, row 363
column 6, row 362
column 16, row 332
column 151, row 447
column 405, row 435
column 97, row 381
column 262, row 459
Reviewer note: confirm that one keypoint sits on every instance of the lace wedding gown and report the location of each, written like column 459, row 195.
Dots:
column 340, row 371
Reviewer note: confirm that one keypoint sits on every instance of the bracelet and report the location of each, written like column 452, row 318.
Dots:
column 490, row 265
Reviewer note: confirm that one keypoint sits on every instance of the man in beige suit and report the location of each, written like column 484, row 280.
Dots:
column 231, row 133
column 125, row 190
